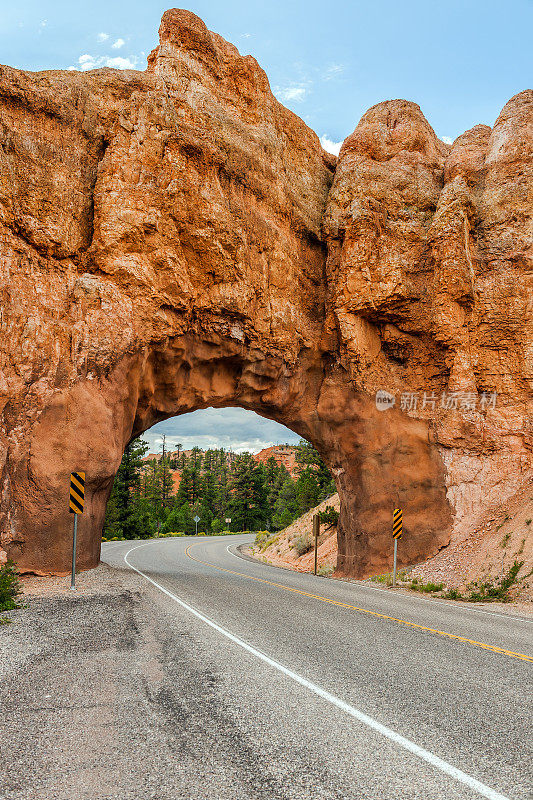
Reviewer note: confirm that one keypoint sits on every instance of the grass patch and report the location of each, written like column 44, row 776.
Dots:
column 386, row 578
column 496, row 591
column 426, row 588
column 10, row 587
column 264, row 539
column 505, row 539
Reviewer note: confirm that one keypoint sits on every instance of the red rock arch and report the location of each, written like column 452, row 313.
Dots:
column 176, row 238
column 379, row 459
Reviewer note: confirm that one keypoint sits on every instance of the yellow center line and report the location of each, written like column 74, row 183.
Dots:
column 491, row 647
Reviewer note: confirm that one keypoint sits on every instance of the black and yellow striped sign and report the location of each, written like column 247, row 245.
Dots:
column 77, row 492
column 397, row 518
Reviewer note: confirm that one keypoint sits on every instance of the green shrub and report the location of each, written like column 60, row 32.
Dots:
column 10, row 587
column 303, row 544
column 453, row 594
column 269, row 540
column 329, row 516
column 510, row 578
column 325, row 570
column 489, row 592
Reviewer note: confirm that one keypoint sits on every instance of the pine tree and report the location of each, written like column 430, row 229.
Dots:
column 216, row 484
column 286, row 506
column 190, row 486
column 247, row 504
column 307, row 490
column 196, row 458
column 209, row 494
column 126, row 514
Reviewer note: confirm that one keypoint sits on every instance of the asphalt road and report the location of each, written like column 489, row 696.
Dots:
column 184, row 672
column 328, row 692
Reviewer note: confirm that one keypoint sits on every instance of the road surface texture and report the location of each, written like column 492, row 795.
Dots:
column 199, row 674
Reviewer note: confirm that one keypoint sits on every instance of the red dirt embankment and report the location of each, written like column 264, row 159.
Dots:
column 281, row 549
column 481, row 551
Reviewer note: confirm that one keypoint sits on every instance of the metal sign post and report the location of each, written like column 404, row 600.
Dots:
column 397, row 523
column 196, row 520
column 316, row 531
column 76, row 503
column 74, row 537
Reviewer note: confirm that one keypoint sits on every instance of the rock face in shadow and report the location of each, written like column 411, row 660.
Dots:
column 176, row 239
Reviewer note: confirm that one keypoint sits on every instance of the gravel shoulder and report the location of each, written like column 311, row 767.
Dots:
column 107, row 694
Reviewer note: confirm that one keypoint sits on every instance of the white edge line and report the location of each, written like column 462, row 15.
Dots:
column 406, row 596
column 397, row 738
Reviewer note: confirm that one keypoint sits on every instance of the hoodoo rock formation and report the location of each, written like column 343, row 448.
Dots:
column 175, row 239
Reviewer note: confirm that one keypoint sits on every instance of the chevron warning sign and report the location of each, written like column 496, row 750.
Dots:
column 397, row 519
column 77, row 492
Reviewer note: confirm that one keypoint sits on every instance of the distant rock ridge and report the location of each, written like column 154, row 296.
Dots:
column 176, row 239
column 282, row 454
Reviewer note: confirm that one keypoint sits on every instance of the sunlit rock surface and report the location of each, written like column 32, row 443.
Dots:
column 175, row 238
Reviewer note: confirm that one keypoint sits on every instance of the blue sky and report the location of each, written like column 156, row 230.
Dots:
column 329, row 62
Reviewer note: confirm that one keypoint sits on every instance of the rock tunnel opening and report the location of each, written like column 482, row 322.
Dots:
column 231, row 468
column 378, row 460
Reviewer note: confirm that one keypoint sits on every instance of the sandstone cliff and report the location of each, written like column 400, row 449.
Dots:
column 175, row 238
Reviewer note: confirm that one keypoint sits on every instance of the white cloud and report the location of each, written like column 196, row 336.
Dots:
column 102, row 37
column 329, row 145
column 87, row 62
column 86, row 59
column 118, row 44
column 245, row 35
column 119, row 62
column 233, row 428
column 333, row 71
column 447, row 139
column 295, row 92
column 44, row 23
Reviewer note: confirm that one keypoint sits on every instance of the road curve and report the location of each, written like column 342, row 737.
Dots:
column 343, row 691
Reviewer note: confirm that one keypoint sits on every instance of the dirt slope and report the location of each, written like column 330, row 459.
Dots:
column 281, row 549
column 482, row 552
